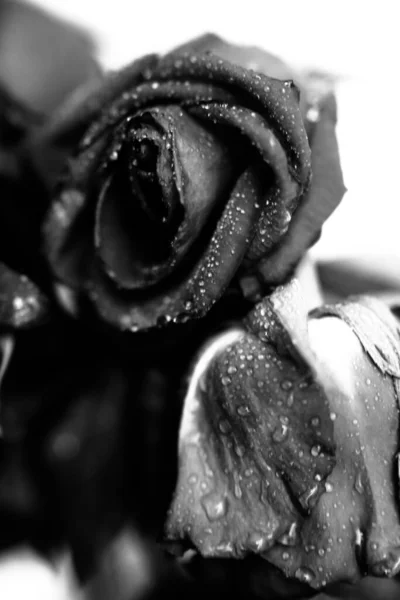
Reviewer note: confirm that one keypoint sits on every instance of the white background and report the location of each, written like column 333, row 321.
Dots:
column 358, row 41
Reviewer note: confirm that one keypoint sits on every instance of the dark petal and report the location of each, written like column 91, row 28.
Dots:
column 257, row 92
column 249, row 57
column 42, row 59
column 324, row 195
column 150, row 216
column 205, row 281
column 66, row 228
column 154, row 94
column 22, row 304
column 281, row 188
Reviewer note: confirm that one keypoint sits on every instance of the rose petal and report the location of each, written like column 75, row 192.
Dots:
column 142, row 237
column 295, row 406
column 324, row 195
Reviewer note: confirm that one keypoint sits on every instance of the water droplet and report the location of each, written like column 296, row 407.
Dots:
column 333, row 416
column 164, row 320
column 224, row 427
column 240, row 450
column 226, row 380
column 258, row 542
column 188, row 305
column 243, row 410
column 238, row 490
column 285, row 555
column 374, row 546
column 203, row 383
column 359, row 537
column 192, row 478
column 214, row 506
column 316, row 450
column 287, row 384
column 290, row 537
column 315, row 421
column 232, row 370
column 304, row 574
column 368, row 382
column 290, row 399
column 280, row 433
column 328, row 487
column 358, row 483
column 321, row 552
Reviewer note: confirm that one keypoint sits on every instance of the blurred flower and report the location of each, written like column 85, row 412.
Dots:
column 42, row 59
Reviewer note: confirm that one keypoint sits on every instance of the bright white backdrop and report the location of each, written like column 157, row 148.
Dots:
column 357, row 40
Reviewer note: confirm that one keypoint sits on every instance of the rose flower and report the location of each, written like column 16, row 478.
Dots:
column 182, row 175
column 288, row 443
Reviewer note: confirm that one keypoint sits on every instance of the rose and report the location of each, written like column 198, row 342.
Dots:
column 288, row 442
column 193, row 171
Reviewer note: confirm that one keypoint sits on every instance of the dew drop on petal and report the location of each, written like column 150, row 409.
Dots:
column 258, row 542
column 224, row 426
column 286, row 384
column 304, row 574
column 240, row 450
column 243, row 410
column 280, row 433
column 358, row 483
column 316, row 450
column 188, row 305
column 214, row 506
